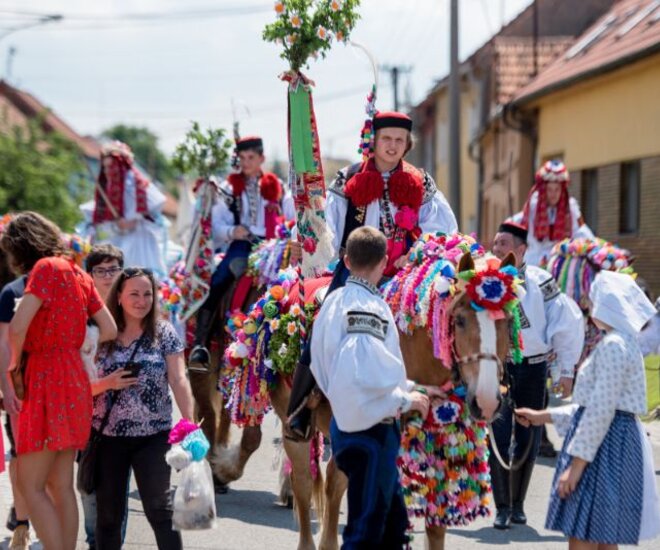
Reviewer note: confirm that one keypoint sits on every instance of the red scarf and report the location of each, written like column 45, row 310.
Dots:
column 562, row 228
column 270, row 189
column 113, row 181
column 406, row 189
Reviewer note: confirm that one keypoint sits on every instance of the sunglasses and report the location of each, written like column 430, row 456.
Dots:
column 103, row 272
column 130, row 272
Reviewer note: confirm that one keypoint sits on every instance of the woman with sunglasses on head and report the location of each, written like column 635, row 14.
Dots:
column 56, row 412
column 139, row 417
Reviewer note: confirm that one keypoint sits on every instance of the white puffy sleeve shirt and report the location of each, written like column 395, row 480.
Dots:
column 537, row 250
column 222, row 219
column 435, row 214
column 356, row 359
column 550, row 321
column 611, row 379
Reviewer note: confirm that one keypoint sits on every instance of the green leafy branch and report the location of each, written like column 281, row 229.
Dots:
column 203, row 153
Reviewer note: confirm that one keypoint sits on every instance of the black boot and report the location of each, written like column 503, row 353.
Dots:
column 200, row 358
column 547, row 449
column 499, row 478
column 299, row 422
column 519, row 483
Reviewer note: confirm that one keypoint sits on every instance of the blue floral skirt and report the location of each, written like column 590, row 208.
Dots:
column 606, row 506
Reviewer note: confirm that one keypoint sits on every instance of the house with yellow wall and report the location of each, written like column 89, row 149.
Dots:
column 597, row 107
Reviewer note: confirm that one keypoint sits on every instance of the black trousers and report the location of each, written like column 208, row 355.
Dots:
column 528, row 389
column 146, row 455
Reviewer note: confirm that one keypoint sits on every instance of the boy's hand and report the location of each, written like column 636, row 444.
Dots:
column 241, row 233
column 420, row 403
column 295, row 252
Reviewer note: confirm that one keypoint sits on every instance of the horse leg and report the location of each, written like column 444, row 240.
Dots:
column 229, row 462
column 303, row 486
column 336, row 484
column 435, row 537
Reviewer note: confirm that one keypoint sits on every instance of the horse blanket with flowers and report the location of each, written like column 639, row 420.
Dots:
column 443, row 459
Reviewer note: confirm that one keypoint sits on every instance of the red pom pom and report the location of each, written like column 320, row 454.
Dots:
column 270, row 187
column 237, row 182
column 365, row 187
column 406, row 189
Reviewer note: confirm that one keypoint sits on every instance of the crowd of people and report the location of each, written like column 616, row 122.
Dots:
column 57, row 317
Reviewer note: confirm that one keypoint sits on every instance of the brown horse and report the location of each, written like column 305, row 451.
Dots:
column 480, row 346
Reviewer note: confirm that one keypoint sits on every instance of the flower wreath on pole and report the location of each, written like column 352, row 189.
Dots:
column 306, row 29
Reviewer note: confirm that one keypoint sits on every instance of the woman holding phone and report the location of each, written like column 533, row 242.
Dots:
column 139, row 416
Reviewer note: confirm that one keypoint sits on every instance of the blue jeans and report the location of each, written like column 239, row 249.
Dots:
column 89, row 513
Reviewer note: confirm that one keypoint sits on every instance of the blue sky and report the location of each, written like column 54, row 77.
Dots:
column 97, row 68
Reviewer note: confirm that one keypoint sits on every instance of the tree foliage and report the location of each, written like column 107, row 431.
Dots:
column 43, row 172
column 203, row 154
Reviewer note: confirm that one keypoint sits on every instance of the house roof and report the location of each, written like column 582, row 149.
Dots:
column 629, row 31
column 31, row 107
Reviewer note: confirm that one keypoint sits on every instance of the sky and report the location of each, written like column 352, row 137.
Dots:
column 164, row 63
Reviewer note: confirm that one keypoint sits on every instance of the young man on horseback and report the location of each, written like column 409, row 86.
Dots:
column 357, row 362
column 386, row 193
column 252, row 203
column 551, row 323
column 550, row 214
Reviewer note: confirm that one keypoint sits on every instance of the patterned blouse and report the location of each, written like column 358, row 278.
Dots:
column 611, row 379
column 144, row 408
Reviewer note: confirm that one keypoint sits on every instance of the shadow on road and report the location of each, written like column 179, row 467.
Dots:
column 518, row 533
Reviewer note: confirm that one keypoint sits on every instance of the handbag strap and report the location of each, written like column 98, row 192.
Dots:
column 115, row 393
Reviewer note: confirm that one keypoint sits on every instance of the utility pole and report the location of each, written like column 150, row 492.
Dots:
column 395, row 72
column 11, row 52
column 454, row 116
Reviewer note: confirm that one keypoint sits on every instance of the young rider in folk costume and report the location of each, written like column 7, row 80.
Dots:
column 551, row 322
column 389, row 194
column 252, row 204
column 550, row 214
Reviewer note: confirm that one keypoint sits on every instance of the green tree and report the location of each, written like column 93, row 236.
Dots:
column 42, row 172
column 144, row 144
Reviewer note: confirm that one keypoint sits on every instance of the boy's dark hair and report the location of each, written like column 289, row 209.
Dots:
column 28, row 238
column 102, row 253
column 366, row 247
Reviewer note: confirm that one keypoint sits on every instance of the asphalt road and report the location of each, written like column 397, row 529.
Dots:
column 248, row 516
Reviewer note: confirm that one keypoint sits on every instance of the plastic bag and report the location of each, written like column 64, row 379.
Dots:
column 194, row 499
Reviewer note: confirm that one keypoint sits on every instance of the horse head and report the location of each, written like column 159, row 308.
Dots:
column 481, row 335
column 454, row 308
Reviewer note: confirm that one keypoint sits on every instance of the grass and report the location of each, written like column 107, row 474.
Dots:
column 652, row 382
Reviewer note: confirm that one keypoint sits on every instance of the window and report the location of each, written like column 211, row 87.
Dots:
column 589, row 199
column 629, row 197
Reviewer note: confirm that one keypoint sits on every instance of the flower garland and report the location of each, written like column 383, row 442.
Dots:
column 444, row 464
column 420, row 295
column 574, row 264
column 306, row 28
column 266, row 344
column 269, row 257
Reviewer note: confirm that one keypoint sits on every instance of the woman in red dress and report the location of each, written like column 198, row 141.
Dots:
column 56, row 413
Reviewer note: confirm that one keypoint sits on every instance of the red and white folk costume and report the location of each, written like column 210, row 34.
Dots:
column 402, row 203
column 547, row 225
column 255, row 203
column 124, row 193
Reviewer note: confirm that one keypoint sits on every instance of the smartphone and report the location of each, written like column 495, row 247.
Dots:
column 133, row 368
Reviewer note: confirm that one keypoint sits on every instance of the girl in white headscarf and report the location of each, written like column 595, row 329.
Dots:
column 604, row 492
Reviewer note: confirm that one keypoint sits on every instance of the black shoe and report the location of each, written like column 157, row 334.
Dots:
column 299, row 426
column 502, row 518
column 199, row 360
column 12, row 522
column 518, row 516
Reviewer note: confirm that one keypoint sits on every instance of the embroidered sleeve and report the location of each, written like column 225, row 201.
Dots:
column 364, row 322
column 549, row 289
column 430, row 188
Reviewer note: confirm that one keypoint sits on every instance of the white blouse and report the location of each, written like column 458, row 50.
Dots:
column 611, row 379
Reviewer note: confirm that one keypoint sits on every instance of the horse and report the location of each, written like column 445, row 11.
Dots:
column 445, row 336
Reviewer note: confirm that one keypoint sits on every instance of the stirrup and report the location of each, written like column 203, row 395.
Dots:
column 197, row 365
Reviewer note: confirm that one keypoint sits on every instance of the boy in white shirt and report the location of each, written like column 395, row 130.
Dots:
column 358, row 365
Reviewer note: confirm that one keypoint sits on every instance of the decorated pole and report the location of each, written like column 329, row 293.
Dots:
column 307, row 28
column 203, row 155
